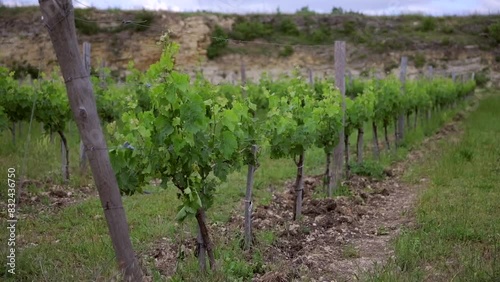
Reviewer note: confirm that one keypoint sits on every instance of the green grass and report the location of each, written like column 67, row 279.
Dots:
column 458, row 234
column 73, row 242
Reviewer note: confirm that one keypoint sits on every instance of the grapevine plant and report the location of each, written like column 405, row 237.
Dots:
column 53, row 111
column 291, row 129
column 328, row 115
column 15, row 100
column 190, row 138
column 359, row 111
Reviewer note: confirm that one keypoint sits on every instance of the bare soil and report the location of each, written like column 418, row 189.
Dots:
column 339, row 239
column 46, row 196
column 336, row 239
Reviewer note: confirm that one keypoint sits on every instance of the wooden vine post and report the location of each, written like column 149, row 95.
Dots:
column 351, row 81
column 299, row 180
column 338, row 151
column 86, row 63
column 58, row 17
column 431, row 77
column 248, row 200
column 401, row 120
column 243, row 78
column 376, row 147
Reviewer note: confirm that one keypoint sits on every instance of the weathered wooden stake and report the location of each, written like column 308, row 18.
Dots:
column 431, row 72
column 207, row 245
column 401, row 120
column 102, row 74
column 13, row 131
column 58, row 17
column 351, row 82
column 386, row 135
column 83, row 154
column 431, row 76
column 376, row 147
column 359, row 151
column 346, row 155
column 299, row 187
column 248, row 201
column 64, row 158
column 415, row 119
column 338, row 152
column 243, row 78
column 201, row 251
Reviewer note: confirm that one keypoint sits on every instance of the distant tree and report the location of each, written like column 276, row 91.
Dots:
column 337, row 11
column 304, row 11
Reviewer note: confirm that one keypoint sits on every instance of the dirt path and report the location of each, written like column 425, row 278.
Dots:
column 339, row 239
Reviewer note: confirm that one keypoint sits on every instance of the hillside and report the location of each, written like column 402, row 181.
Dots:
column 270, row 43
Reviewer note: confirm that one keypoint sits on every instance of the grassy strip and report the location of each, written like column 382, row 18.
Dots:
column 458, row 234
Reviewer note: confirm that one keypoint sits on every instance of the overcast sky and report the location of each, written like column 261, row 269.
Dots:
column 373, row 7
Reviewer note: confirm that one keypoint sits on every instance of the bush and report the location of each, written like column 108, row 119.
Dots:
column 287, row 51
column 446, row 41
column 494, row 32
column 419, row 60
column 218, row 43
column 349, row 28
column 428, row 24
column 85, row 25
column 250, row 30
column 321, row 35
column 447, row 29
column 390, row 66
column 287, row 26
column 304, row 11
column 144, row 19
column 481, row 79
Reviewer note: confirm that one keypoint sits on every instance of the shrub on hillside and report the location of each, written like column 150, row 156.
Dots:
column 250, row 30
column 428, row 24
column 320, row 35
column 85, row 25
column 349, row 28
column 419, row 60
column 494, row 32
column 481, row 79
column 144, row 19
column 304, row 11
column 218, row 43
column 447, row 29
column 288, row 26
column 287, row 51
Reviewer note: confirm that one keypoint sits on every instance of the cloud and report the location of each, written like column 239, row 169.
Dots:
column 372, row 7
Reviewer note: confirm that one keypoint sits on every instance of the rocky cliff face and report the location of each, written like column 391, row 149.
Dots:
column 25, row 43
